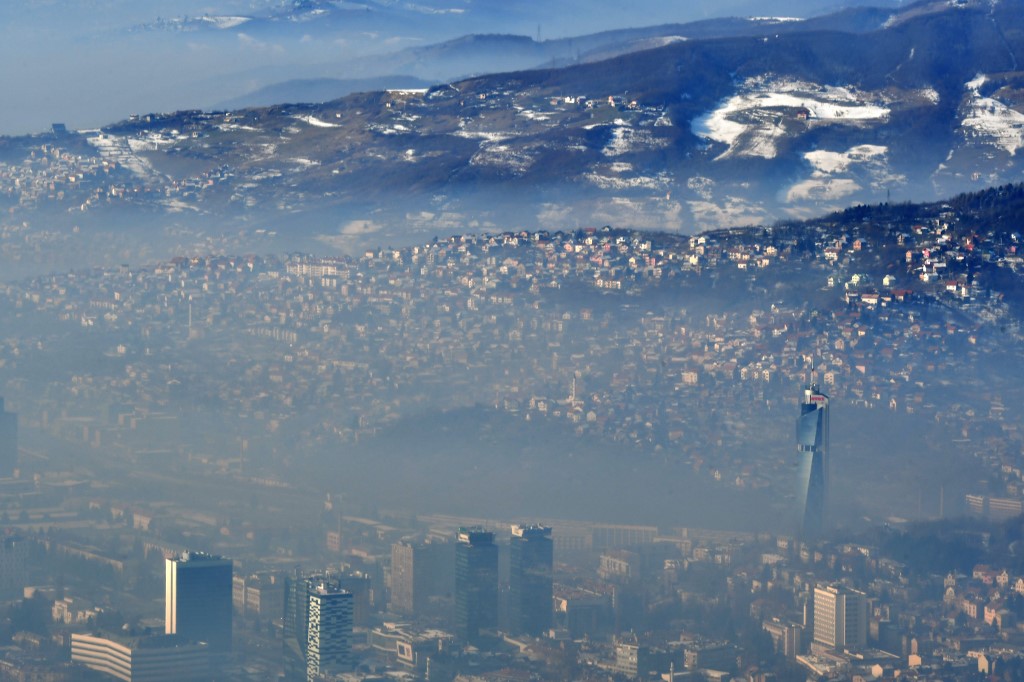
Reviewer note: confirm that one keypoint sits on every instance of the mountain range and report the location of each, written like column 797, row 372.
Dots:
column 766, row 120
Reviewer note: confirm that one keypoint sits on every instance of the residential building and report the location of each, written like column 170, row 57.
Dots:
column 840, row 617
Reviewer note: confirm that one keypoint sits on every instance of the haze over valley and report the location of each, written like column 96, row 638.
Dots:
column 465, row 341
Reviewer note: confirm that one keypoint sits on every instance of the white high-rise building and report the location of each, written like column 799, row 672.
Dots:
column 840, row 617
column 329, row 635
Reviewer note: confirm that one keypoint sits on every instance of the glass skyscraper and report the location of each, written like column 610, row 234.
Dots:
column 318, row 620
column 198, row 599
column 531, row 561
column 329, row 631
column 812, row 444
column 476, row 583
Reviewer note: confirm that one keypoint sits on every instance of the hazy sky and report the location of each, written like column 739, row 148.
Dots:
column 91, row 62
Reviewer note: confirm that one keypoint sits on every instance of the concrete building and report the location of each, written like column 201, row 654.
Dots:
column 840, row 618
column 632, row 660
column 158, row 658
column 198, row 599
column 260, row 595
column 420, row 571
column 13, row 564
column 530, row 580
column 786, row 637
column 476, row 583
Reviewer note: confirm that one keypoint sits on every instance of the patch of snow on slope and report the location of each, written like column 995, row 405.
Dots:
column 316, row 122
column 502, row 156
column 752, row 121
column 989, row 119
column 625, row 140
column 822, row 189
column 731, row 212
column 124, row 151
column 836, row 162
column 487, row 135
column 534, row 115
column 659, row 183
column 836, row 175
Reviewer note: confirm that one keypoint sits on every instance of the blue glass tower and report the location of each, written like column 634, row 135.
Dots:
column 530, row 580
column 812, row 444
column 476, row 583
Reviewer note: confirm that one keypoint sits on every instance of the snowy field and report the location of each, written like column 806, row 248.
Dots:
column 836, row 175
column 990, row 121
column 752, row 121
column 317, row 122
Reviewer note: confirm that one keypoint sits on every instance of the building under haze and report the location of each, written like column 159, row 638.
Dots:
column 531, row 560
column 199, row 599
column 812, row 444
column 318, row 621
column 155, row 658
column 328, row 631
column 840, row 618
column 419, row 571
column 8, row 441
column 476, row 583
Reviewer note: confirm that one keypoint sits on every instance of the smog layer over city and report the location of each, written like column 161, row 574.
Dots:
column 471, row 341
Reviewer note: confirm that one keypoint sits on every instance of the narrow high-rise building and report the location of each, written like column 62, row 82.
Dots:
column 530, row 580
column 812, row 443
column 318, row 621
column 296, row 626
column 476, row 583
column 8, row 441
column 329, row 631
column 198, row 599
column 840, row 618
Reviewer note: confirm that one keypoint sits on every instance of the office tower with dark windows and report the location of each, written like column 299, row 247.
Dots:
column 198, row 599
column 295, row 626
column 476, row 583
column 531, row 559
column 328, row 631
column 318, row 621
column 8, row 441
column 812, row 444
